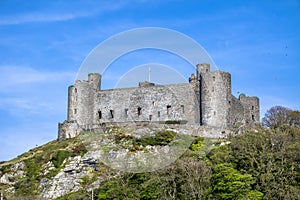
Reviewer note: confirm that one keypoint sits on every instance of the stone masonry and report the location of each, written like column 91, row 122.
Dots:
column 205, row 101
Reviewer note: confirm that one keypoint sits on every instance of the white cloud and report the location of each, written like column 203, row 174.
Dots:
column 15, row 76
column 22, row 106
column 25, row 91
column 55, row 16
column 37, row 17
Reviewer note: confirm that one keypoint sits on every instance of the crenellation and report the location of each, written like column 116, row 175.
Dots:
column 205, row 101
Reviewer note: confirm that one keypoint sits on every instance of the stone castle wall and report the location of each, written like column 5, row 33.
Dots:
column 251, row 109
column 236, row 117
column 154, row 103
column 205, row 101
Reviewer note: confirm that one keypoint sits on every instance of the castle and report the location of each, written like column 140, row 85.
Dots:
column 206, row 100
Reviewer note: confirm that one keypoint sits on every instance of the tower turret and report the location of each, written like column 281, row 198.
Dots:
column 94, row 80
column 202, row 68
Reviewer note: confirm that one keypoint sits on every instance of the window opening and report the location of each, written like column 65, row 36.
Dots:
column 168, row 109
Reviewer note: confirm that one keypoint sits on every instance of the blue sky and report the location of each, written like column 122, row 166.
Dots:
column 43, row 43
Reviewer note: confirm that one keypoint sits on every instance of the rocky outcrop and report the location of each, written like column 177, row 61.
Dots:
column 16, row 172
column 77, row 172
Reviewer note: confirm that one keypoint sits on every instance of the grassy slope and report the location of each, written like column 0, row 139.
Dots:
column 261, row 164
column 35, row 159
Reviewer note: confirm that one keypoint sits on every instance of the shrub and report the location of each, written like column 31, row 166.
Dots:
column 162, row 137
column 59, row 157
column 176, row 122
column 197, row 144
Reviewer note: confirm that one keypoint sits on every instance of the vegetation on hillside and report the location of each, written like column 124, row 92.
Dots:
column 262, row 164
column 35, row 160
column 259, row 164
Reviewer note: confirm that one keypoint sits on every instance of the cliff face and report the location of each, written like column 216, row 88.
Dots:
column 15, row 182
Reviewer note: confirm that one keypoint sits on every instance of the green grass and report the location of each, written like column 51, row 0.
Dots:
column 162, row 137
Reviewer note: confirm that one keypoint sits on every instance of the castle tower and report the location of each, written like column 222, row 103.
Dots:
column 71, row 101
column 215, row 96
column 194, row 84
column 81, row 99
column 251, row 109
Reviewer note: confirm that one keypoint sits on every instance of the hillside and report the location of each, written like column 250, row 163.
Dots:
column 259, row 164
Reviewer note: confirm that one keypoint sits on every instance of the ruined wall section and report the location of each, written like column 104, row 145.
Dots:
column 151, row 103
column 251, row 109
column 215, row 97
column 236, row 113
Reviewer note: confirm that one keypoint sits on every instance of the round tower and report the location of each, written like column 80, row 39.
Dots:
column 71, row 98
column 215, row 98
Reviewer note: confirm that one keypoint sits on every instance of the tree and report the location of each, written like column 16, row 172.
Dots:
column 295, row 118
column 279, row 116
column 229, row 183
column 271, row 156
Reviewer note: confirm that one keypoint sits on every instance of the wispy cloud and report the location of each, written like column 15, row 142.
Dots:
column 11, row 76
column 25, row 91
column 38, row 17
column 24, row 107
column 52, row 15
